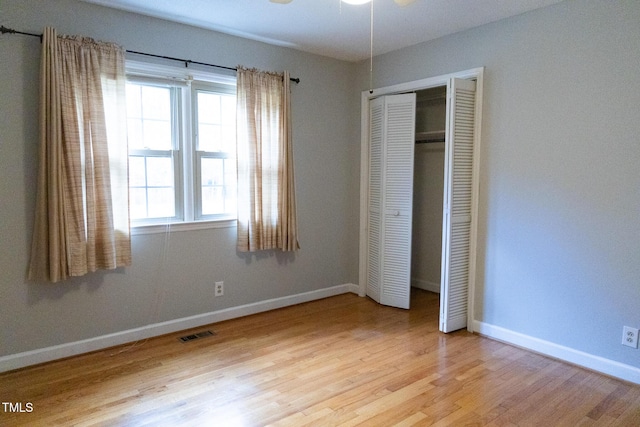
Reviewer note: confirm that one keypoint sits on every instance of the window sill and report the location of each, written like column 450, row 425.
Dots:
column 181, row 226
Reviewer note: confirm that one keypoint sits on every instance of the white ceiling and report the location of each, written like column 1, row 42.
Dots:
column 329, row 27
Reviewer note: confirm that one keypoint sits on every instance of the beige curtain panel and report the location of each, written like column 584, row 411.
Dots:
column 82, row 205
column 266, row 191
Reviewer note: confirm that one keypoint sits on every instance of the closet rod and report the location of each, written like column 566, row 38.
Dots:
column 5, row 30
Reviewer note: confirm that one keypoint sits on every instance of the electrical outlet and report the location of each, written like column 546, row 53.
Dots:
column 630, row 336
column 219, row 290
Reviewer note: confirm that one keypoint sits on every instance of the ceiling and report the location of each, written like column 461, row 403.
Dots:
column 330, row 27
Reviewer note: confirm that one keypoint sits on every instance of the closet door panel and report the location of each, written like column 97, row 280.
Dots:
column 457, row 210
column 399, row 156
column 390, row 199
column 398, row 199
column 374, row 281
column 396, row 278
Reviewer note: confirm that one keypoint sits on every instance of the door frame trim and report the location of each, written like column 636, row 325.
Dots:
column 442, row 80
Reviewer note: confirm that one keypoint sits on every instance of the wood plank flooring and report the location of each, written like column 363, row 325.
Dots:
column 339, row 361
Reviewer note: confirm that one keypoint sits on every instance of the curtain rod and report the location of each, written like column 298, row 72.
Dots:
column 5, row 30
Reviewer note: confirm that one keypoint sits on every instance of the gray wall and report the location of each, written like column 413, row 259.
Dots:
column 559, row 220
column 172, row 275
column 426, row 241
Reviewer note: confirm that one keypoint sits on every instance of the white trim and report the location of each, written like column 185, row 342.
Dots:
column 28, row 358
column 181, row 226
column 566, row 354
column 365, row 97
column 424, row 83
column 364, row 194
column 475, row 196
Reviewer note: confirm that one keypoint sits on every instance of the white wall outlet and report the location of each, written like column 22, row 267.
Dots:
column 630, row 336
column 219, row 291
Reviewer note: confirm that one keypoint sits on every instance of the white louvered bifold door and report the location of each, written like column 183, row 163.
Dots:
column 376, row 128
column 457, row 206
column 397, row 199
column 391, row 199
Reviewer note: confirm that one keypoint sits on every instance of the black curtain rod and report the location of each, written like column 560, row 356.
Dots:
column 5, row 30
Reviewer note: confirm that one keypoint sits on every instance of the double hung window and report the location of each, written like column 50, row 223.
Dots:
column 182, row 165
column 154, row 151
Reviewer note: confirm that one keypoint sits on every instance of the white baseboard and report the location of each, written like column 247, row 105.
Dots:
column 28, row 358
column 426, row 285
column 567, row 354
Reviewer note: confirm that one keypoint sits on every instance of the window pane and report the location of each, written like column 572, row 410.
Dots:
column 134, row 115
column 216, row 122
column 229, row 124
column 149, row 117
column 134, row 132
column 228, row 138
column 212, row 200
column 212, row 186
column 208, row 108
column 159, row 172
column 218, row 186
column 138, row 203
column 137, row 172
column 230, row 175
column 156, row 103
column 212, row 172
column 134, row 101
column 209, row 137
column 157, row 134
column 228, row 109
column 161, row 202
column 151, row 187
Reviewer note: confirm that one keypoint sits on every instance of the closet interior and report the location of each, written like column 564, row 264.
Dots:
column 428, row 188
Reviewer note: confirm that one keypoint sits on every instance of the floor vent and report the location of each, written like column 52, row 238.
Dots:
column 196, row 336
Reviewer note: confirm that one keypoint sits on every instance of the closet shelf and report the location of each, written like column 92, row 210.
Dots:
column 432, row 136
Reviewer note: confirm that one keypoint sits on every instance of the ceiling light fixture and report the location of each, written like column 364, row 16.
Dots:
column 356, row 1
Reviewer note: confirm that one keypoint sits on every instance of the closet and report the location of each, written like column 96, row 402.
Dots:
column 404, row 127
column 428, row 187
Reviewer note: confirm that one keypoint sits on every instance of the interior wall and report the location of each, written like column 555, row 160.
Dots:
column 172, row 275
column 426, row 243
column 559, row 208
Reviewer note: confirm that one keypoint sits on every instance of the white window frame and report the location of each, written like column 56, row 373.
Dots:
column 205, row 87
column 175, row 153
column 186, row 81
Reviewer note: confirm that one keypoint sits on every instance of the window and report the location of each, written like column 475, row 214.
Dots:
column 182, row 166
column 215, row 153
column 154, row 151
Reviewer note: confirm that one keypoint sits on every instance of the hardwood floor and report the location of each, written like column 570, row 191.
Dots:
column 339, row 361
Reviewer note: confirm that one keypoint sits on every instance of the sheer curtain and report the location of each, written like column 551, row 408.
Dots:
column 82, row 206
column 266, row 192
